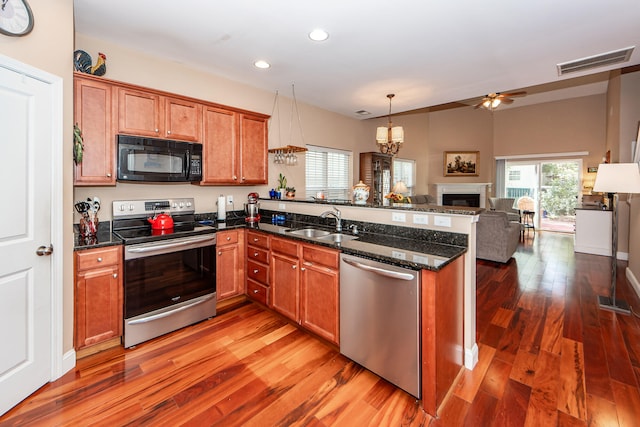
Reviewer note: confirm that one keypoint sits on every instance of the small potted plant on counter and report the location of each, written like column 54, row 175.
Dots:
column 282, row 185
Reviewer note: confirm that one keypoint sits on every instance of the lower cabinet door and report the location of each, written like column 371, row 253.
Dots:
column 98, row 305
column 285, row 285
column 319, row 310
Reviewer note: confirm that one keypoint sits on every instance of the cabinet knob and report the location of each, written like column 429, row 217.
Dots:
column 255, row 291
column 235, row 178
column 168, row 132
column 294, row 266
column 228, row 238
column 99, row 259
column 219, row 252
column 108, row 175
column 255, row 239
column 243, row 178
column 302, row 269
column 255, row 254
column 256, row 271
column 115, row 275
column 157, row 130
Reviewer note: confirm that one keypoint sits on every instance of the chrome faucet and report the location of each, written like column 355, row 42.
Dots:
column 337, row 215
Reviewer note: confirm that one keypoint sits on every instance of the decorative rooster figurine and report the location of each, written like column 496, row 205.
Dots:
column 82, row 62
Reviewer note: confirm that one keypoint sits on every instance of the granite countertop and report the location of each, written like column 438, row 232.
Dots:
column 103, row 238
column 416, row 254
column 402, row 246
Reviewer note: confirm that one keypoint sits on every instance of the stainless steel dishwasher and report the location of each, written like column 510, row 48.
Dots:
column 380, row 320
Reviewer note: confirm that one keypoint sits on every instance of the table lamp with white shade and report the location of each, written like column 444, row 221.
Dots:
column 616, row 178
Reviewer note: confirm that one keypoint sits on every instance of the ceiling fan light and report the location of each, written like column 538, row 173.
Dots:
column 487, row 104
column 495, row 102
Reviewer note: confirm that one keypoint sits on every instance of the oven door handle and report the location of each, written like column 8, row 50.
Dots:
column 153, row 248
column 153, row 317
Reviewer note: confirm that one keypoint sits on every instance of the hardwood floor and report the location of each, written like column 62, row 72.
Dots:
column 548, row 356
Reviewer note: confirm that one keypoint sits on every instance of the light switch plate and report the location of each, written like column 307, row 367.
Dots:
column 442, row 221
column 420, row 219
column 398, row 217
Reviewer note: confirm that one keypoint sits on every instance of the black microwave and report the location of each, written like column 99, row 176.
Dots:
column 158, row 160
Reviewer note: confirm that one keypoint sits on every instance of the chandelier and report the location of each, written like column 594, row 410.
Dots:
column 389, row 138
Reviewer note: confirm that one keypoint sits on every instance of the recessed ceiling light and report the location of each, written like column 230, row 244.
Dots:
column 362, row 113
column 318, row 35
column 262, row 64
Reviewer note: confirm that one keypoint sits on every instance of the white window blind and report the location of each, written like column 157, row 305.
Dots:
column 405, row 170
column 328, row 170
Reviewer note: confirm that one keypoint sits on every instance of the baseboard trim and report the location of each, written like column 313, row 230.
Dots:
column 633, row 280
column 471, row 356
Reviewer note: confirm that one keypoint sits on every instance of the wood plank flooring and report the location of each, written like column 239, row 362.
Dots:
column 548, row 356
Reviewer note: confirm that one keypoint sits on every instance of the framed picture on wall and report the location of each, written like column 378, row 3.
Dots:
column 461, row 163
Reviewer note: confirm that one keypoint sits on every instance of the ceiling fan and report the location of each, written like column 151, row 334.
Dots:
column 493, row 100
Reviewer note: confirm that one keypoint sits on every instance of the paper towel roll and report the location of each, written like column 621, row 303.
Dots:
column 221, row 208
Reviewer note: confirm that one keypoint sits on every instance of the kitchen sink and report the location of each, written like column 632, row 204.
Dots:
column 312, row 233
column 337, row 238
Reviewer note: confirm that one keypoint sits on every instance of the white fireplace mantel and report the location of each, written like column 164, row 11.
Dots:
column 464, row 188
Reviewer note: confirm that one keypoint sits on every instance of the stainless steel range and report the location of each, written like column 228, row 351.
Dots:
column 169, row 273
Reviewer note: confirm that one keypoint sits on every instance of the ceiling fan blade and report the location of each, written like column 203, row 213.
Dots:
column 506, row 100
column 478, row 105
column 512, row 94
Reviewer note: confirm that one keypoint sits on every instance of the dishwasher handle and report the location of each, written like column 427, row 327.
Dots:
column 380, row 271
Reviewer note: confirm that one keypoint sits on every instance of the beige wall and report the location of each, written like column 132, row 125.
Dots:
column 316, row 126
column 49, row 47
column 629, row 121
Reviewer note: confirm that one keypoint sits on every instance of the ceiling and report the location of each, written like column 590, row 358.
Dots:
column 426, row 52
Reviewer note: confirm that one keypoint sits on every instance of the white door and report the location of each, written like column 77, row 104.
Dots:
column 26, row 126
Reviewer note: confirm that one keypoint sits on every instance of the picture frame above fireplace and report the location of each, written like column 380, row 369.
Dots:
column 461, row 163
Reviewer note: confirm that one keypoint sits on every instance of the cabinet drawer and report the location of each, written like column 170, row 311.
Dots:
column 257, row 254
column 94, row 258
column 258, row 239
column 318, row 255
column 285, row 246
column 226, row 237
column 257, row 292
column 257, row 272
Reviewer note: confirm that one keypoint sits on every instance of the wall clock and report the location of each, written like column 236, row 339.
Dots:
column 16, row 18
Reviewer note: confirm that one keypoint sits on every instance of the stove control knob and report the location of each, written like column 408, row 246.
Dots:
column 121, row 208
column 188, row 204
column 131, row 207
column 175, row 205
column 181, row 205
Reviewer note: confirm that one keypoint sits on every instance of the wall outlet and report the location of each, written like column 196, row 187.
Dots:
column 398, row 217
column 420, row 219
column 442, row 221
column 282, row 206
column 229, row 200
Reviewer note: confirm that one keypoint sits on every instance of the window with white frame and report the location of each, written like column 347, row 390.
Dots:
column 328, row 170
column 405, row 170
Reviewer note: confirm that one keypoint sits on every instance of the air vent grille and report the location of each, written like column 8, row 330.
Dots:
column 602, row 60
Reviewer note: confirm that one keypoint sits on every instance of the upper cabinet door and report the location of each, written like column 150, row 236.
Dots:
column 139, row 113
column 92, row 113
column 254, row 149
column 182, row 120
column 220, row 148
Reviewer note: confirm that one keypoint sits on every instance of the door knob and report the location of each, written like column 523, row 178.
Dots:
column 44, row 250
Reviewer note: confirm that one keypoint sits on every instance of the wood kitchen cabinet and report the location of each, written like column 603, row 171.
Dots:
column 93, row 112
column 285, row 278
column 99, row 295
column 235, row 147
column 229, row 264
column 146, row 113
column 258, row 245
column 320, row 291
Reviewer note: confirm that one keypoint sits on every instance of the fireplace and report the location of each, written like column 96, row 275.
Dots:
column 479, row 189
column 468, row 200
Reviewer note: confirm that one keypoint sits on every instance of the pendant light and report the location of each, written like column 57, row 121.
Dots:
column 389, row 138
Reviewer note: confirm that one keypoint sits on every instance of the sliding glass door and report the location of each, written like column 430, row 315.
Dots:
column 548, row 188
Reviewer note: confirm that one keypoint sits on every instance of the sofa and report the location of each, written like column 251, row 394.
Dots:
column 505, row 204
column 497, row 238
column 423, row 199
